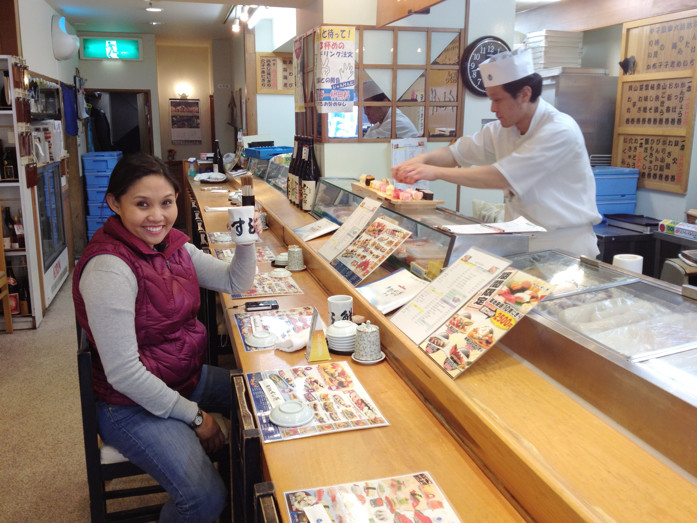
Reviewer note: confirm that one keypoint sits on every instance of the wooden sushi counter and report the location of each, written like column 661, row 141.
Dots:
column 503, row 441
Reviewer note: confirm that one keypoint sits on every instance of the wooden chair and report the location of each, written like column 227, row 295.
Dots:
column 4, row 290
column 265, row 508
column 103, row 462
column 245, row 451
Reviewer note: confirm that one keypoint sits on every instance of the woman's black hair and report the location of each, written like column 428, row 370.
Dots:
column 534, row 81
column 132, row 168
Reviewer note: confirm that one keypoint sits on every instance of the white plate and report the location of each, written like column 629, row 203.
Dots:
column 261, row 339
column 341, row 329
column 280, row 273
column 368, row 362
column 292, row 413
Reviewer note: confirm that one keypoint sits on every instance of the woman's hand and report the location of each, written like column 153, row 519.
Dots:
column 210, row 434
column 258, row 227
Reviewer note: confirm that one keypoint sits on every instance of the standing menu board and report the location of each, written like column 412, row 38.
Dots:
column 654, row 117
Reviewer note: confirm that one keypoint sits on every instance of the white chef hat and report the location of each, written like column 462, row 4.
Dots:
column 506, row 67
column 370, row 89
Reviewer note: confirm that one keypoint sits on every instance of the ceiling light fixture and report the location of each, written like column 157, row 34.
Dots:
column 153, row 9
column 236, row 25
column 244, row 13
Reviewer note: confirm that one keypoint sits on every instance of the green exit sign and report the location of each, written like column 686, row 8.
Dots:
column 110, row 48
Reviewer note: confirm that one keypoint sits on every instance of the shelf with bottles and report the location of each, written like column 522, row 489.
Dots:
column 18, row 286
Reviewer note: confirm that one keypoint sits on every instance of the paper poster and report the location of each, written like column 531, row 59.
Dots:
column 331, row 389
column 265, row 285
column 335, row 61
column 298, row 68
column 185, row 121
column 367, row 252
column 408, row 498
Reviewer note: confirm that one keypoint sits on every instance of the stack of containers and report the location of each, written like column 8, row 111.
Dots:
column 97, row 168
column 555, row 48
column 615, row 189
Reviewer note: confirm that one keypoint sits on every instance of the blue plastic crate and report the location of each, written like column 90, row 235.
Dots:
column 94, row 223
column 615, row 180
column 265, row 153
column 96, row 194
column 96, row 179
column 101, row 162
column 616, row 204
column 99, row 209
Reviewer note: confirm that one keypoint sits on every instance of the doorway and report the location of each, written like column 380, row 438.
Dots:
column 128, row 115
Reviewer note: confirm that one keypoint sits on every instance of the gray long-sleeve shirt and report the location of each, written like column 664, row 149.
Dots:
column 109, row 288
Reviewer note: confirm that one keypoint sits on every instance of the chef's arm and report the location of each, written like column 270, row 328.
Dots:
column 484, row 177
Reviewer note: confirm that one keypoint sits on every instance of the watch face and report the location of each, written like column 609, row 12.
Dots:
column 475, row 53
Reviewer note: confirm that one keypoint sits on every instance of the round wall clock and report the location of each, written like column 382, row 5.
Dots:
column 474, row 54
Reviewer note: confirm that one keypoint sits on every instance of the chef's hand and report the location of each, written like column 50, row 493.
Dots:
column 210, row 434
column 411, row 172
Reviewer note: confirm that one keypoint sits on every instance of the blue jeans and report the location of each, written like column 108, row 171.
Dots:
column 170, row 451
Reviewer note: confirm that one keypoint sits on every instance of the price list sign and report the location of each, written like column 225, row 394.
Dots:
column 655, row 110
column 275, row 73
column 335, row 79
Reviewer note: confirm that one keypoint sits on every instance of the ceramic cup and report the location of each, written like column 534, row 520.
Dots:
column 242, row 224
column 340, row 307
column 282, row 259
column 295, row 258
column 367, row 342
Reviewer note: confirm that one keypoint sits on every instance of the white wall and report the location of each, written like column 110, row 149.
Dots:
column 137, row 74
column 35, row 28
column 222, row 93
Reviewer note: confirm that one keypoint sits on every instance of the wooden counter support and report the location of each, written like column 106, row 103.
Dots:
column 502, row 424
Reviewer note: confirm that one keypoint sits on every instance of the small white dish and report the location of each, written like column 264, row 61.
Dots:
column 261, row 339
column 280, row 273
column 368, row 362
column 341, row 329
column 291, row 413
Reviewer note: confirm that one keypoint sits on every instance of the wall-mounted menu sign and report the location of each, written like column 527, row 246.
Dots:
column 110, row 48
column 275, row 73
column 655, row 111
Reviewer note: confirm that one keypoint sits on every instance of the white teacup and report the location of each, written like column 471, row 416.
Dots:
column 340, row 307
column 242, row 224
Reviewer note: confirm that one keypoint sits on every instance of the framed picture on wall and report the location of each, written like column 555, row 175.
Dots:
column 185, row 119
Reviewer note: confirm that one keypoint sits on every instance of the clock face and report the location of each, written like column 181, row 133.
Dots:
column 475, row 53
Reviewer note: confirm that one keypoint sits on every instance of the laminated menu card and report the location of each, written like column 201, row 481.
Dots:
column 283, row 323
column 331, row 389
column 264, row 254
column 352, row 227
column 367, row 252
column 392, row 291
column 468, row 308
column 265, row 285
column 409, row 498
column 315, row 229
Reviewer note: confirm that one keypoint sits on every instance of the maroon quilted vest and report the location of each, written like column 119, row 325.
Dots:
column 171, row 341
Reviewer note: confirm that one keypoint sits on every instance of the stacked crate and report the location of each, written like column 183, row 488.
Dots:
column 96, row 168
column 615, row 189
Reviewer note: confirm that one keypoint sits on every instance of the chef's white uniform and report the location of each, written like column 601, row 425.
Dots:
column 549, row 173
column 403, row 127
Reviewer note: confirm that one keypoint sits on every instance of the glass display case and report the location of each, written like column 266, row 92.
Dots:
column 624, row 342
column 336, row 199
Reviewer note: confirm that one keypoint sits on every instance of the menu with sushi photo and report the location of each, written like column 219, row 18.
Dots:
column 350, row 229
column 409, row 498
column 457, row 319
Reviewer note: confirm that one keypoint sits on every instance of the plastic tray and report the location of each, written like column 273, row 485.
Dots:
column 265, row 153
column 615, row 180
column 616, row 205
column 101, row 162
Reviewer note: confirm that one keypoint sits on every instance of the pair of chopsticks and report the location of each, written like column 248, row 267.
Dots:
column 247, row 182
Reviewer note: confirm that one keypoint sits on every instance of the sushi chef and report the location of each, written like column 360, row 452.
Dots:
column 380, row 117
column 535, row 154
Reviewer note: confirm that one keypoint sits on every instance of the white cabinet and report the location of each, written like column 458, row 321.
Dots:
column 20, row 191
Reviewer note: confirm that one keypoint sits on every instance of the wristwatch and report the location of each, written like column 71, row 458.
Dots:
column 198, row 420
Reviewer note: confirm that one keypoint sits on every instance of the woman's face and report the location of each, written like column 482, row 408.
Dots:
column 148, row 209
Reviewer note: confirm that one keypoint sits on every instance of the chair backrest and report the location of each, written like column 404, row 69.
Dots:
column 265, row 508
column 245, row 455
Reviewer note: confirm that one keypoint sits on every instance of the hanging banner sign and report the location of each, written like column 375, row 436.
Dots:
column 299, row 70
column 335, row 60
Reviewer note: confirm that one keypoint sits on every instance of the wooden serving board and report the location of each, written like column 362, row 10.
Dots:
column 364, row 190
